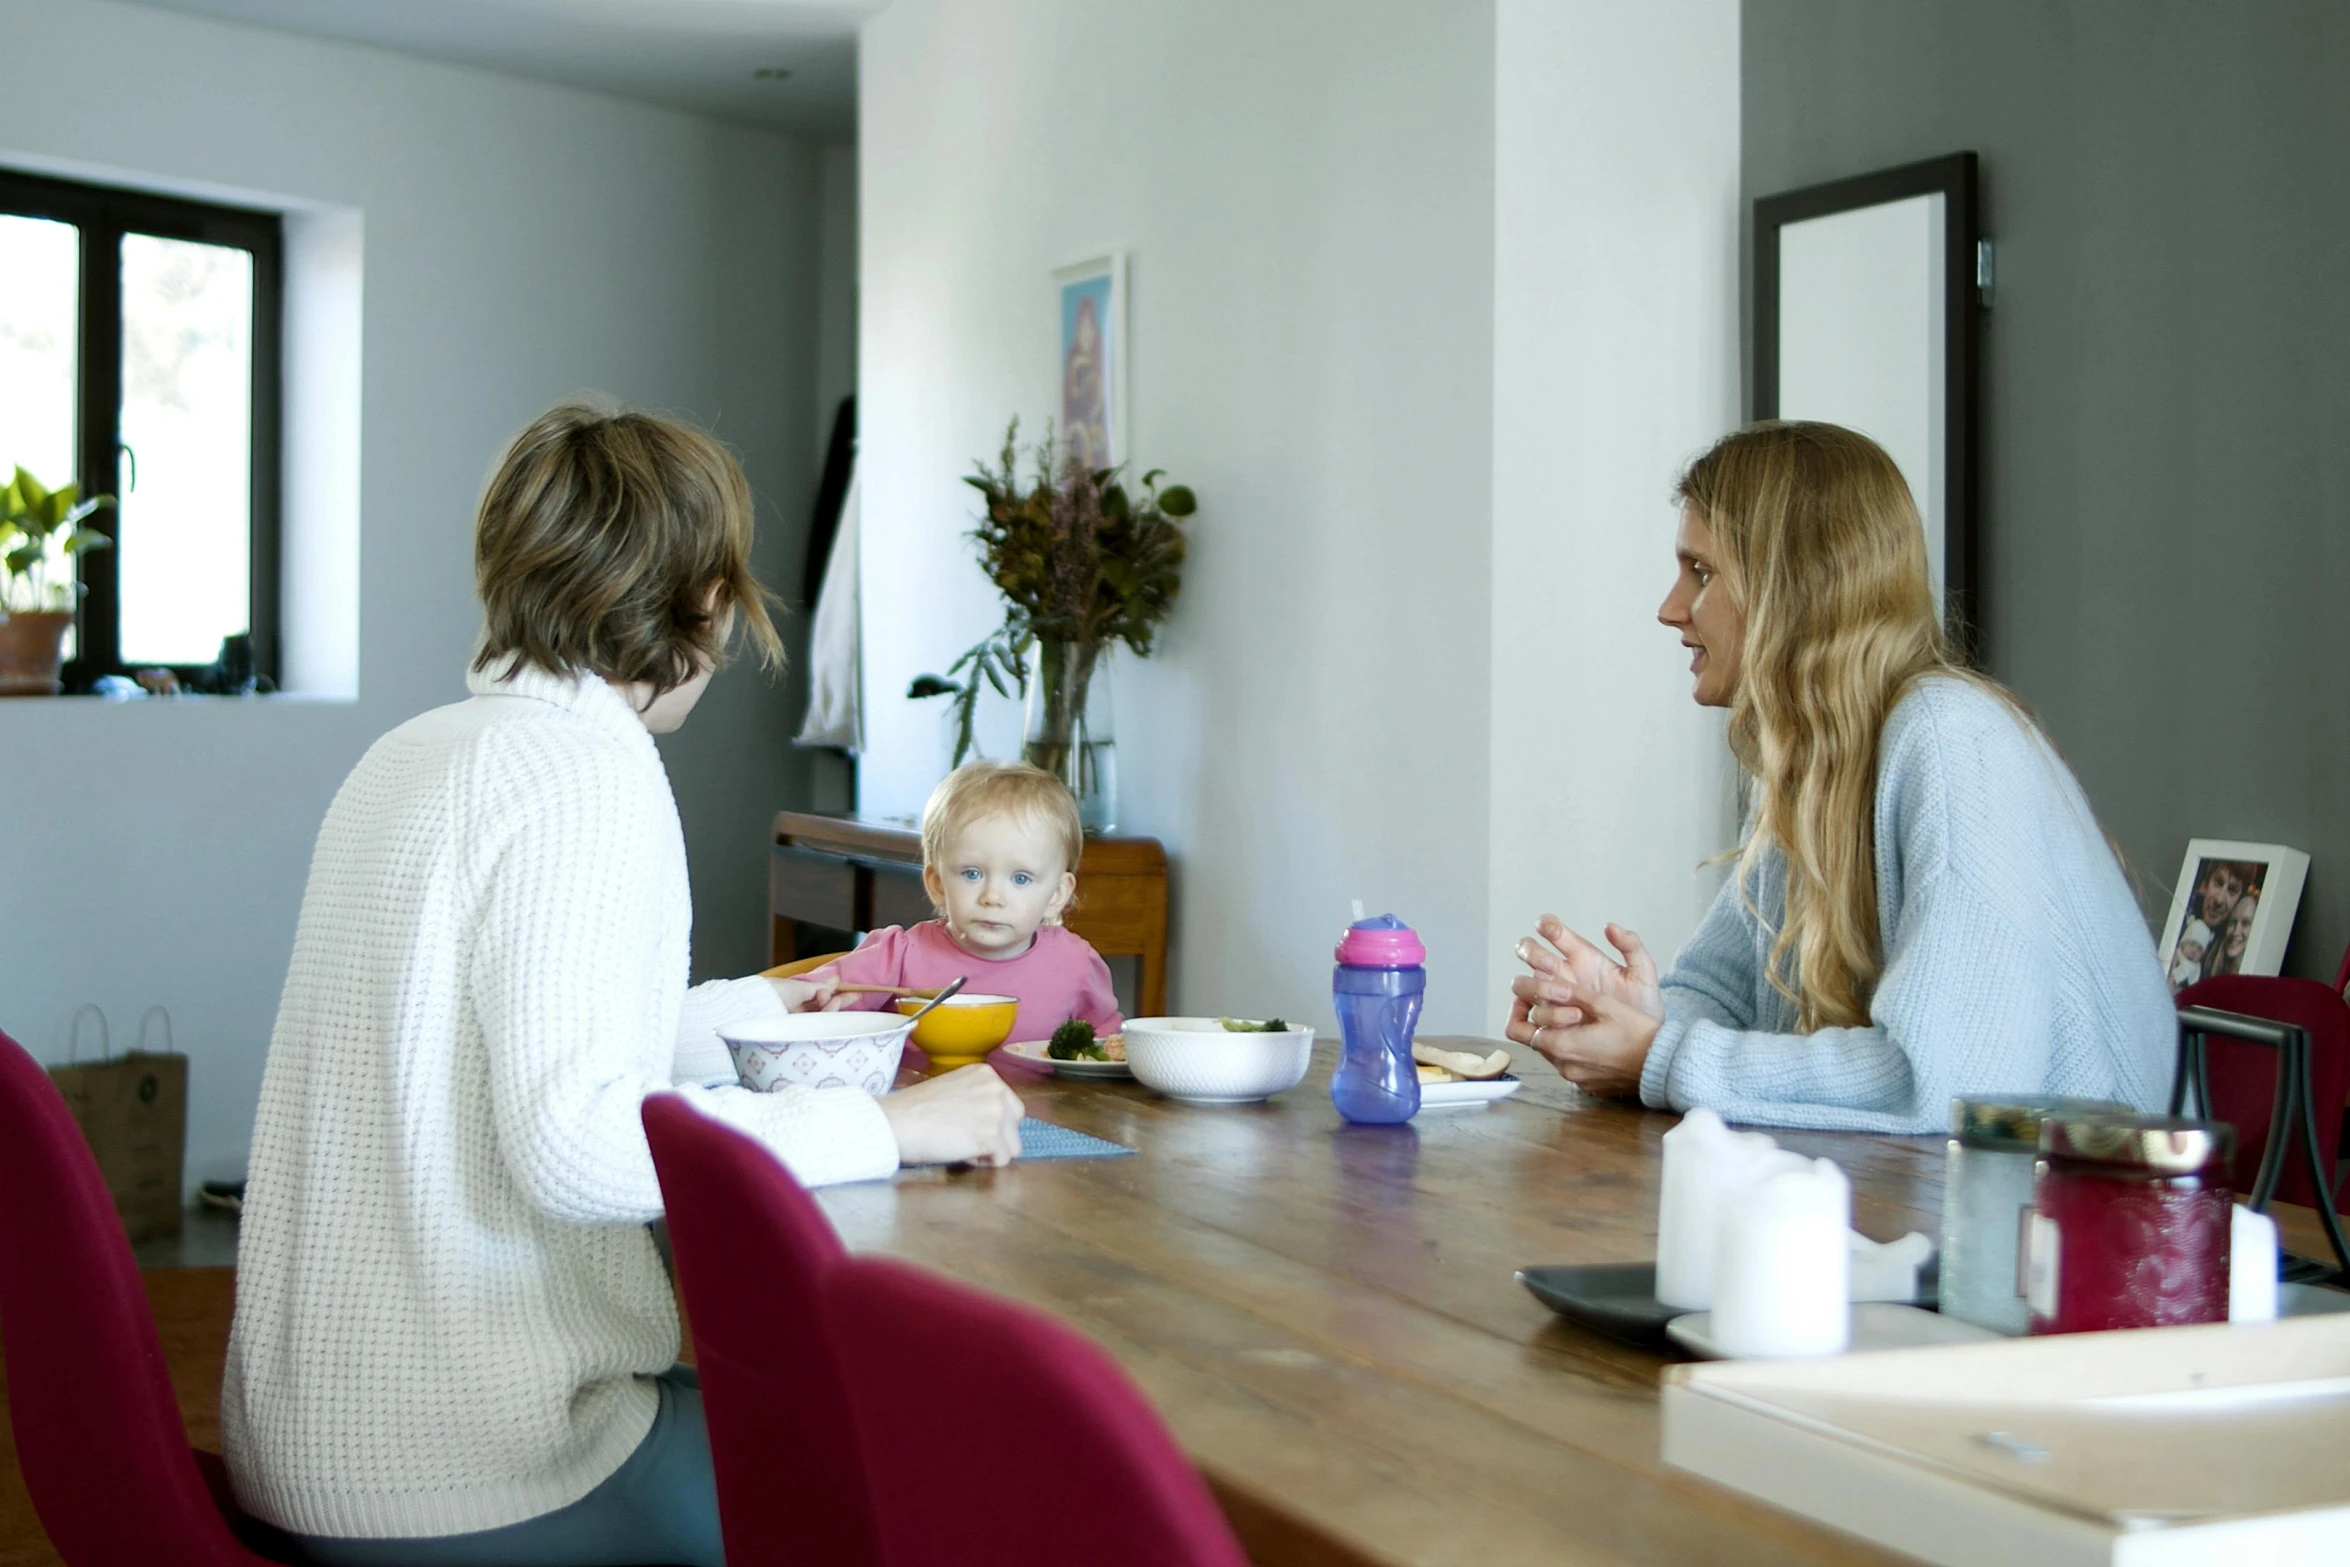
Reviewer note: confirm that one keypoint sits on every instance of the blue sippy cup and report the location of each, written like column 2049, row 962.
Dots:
column 1380, row 982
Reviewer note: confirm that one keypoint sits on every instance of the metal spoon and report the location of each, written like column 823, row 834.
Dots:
column 944, row 991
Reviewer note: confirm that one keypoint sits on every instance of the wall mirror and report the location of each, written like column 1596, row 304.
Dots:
column 1866, row 294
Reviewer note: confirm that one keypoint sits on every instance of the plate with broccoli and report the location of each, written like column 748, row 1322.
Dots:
column 1074, row 1051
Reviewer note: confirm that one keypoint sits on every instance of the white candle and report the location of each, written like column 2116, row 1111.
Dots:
column 1704, row 1161
column 2252, row 1267
column 1782, row 1278
column 1887, row 1270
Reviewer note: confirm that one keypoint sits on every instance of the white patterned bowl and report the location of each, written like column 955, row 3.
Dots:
column 820, row 1050
column 1195, row 1060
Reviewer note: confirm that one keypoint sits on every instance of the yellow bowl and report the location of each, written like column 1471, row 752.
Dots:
column 964, row 1029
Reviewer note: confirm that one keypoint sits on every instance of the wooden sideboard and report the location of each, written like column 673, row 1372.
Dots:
column 847, row 873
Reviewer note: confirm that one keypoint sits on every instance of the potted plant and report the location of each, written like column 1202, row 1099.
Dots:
column 1082, row 562
column 42, row 532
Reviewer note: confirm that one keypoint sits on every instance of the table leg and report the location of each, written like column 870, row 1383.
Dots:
column 1151, row 980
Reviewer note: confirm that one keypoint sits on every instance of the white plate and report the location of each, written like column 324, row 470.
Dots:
column 1032, row 1051
column 1480, row 1091
column 1875, row 1325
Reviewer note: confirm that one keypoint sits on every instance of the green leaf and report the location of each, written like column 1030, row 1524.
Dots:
column 932, row 685
column 1177, row 500
column 24, row 557
column 28, row 490
column 82, row 539
column 966, row 706
column 84, row 508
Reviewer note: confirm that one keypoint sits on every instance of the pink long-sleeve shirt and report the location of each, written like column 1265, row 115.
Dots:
column 1058, row 978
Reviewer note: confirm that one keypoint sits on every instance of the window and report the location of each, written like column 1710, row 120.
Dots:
column 139, row 357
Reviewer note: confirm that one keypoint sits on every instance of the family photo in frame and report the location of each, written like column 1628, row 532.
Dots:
column 2231, row 910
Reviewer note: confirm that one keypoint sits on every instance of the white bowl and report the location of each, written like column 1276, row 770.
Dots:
column 820, row 1050
column 1196, row 1060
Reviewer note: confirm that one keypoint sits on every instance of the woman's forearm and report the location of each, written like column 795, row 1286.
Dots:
column 1841, row 1079
column 702, row 1056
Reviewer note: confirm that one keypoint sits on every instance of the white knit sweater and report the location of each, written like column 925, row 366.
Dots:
column 446, row 1295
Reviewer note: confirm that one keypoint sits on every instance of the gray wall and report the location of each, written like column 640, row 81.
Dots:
column 2166, row 436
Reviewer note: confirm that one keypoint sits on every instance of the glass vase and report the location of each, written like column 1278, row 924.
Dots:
column 1068, row 731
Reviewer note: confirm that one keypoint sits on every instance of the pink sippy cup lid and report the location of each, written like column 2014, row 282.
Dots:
column 1383, row 941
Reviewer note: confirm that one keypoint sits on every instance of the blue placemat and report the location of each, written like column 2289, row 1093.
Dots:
column 1043, row 1140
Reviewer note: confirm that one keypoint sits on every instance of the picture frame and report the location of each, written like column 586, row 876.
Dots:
column 1089, row 312
column 2219, row 878
column 1866, row 312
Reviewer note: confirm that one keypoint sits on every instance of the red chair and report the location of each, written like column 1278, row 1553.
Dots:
column 1011, row 1404
column 105, row 1455
column 752, row 1252
column 2283, row 1088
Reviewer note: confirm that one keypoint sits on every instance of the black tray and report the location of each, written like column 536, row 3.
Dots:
column 1619, row 1298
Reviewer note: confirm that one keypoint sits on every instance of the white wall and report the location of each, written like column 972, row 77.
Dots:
column 1307, row 190
column 522, row 242
column 1615, row 302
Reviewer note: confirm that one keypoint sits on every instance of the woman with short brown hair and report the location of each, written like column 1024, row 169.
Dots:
column 454, row 1338
column 1924, row 906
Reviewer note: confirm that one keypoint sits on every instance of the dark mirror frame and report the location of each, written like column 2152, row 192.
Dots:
column 1964, row 297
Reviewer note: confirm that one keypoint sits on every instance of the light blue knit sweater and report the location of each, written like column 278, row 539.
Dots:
column 2016, row 960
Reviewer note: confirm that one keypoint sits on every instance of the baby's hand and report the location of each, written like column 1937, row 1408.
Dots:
column 814, row 992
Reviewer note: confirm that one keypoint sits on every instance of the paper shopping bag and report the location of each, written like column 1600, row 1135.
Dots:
column 133, row 1109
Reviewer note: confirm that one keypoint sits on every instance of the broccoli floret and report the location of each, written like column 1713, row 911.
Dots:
column 1235, row 1025
column 1074, row 1041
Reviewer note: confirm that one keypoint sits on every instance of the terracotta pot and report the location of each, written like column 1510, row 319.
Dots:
column 30, row 641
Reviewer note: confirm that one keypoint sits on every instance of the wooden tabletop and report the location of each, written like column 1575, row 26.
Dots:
column 1327, row 1318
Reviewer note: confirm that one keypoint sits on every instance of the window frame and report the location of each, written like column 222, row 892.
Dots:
column 103, row 214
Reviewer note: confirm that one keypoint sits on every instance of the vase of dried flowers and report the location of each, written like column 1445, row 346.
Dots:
column 1083, row 562
column 1068, row 730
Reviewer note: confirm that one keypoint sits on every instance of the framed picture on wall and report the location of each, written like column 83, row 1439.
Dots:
column 1090, row 296
column 1867, row 298
column 2232, row 910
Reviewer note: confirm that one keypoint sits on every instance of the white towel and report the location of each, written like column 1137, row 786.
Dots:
column 835, row 716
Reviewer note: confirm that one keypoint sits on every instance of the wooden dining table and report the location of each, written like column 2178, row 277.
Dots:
column 1327, row 1318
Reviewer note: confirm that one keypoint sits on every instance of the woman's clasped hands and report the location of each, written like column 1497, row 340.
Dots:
column 1589, row 1015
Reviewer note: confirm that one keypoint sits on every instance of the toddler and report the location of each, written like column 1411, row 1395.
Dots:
column 1000, row 842
column 2187, row 962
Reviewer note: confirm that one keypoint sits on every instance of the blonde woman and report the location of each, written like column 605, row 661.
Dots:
column 1924, row 907
column 453, row 1339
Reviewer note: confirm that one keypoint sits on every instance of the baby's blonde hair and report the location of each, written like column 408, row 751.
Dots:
column 978, row 789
